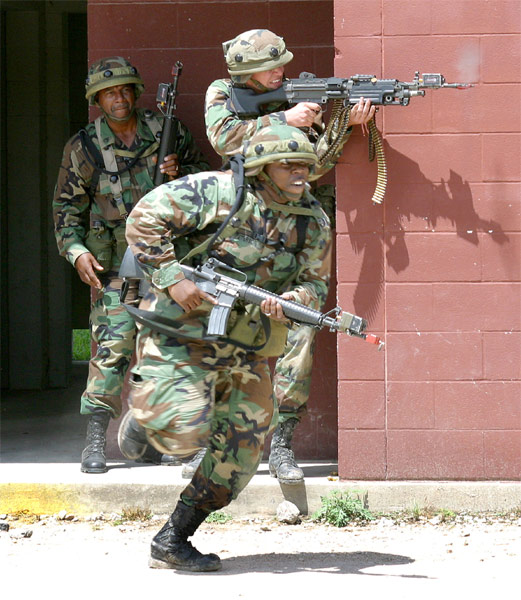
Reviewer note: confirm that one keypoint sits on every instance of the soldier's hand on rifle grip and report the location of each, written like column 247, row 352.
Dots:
column 361, row 112
column 272, row 309
column 170, row 167
column 188, row 295
column 303, row 114
column 85, row 265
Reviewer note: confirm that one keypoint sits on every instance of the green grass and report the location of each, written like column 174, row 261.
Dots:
column 80, row 344
column 218, row 517
column 133, row 514
column 340, row 509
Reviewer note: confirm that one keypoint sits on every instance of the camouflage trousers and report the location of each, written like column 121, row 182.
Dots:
column 114, row 332
column 193, row 394
column 292, row 375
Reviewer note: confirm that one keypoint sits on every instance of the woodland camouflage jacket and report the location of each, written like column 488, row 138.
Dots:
column 76, row 209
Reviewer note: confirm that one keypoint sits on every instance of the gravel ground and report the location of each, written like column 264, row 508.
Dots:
column 104, row 556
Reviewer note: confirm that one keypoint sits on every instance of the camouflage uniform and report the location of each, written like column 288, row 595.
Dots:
column 99, row 182
column 79, row 218
column 226, row 133
column 190, row 392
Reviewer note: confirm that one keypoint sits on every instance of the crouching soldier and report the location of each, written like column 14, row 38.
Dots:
column 190, row 390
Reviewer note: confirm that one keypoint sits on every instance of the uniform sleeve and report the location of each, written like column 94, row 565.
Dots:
column 191, row 159
column 170, row 211
column 311, row 284
column 71, row 202
column 225, row 131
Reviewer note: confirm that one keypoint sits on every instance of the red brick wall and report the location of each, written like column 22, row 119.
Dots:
column 153, row 35
column 436, row 269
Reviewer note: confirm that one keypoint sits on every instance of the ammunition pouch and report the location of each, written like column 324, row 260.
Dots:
column 250, row 330
column 99, row 243
column 106, row 243
column 120, row 241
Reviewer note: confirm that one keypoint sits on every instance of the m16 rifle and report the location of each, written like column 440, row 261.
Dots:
column 165, row 98
column 210, row 278
column 344, row 92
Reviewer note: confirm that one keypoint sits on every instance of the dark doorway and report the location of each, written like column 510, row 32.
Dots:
column 43, row 63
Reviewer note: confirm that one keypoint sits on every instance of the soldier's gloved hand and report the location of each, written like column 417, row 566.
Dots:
column 170, row 166
column 188, row 295
column 271, row 308
column 85, row 265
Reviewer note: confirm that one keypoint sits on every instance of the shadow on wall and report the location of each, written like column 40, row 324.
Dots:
column 417, row 205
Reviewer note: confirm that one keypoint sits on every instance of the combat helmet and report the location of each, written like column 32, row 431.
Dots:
column 277, row 143
column 254, row 51
column 114, row 70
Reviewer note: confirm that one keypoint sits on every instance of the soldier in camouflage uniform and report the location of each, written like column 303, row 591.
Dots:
column 190, row 391
column 256, row 60
column 106, row 168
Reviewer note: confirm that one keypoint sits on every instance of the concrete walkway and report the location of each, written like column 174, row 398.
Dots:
column 42, row 436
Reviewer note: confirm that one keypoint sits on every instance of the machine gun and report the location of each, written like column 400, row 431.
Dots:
column 344, row 92
column 210, row 278
column 165, row 98
column 308, row 88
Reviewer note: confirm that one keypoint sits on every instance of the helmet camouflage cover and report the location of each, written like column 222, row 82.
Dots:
column 107, row 72
column 277, row 143
column 255, row 51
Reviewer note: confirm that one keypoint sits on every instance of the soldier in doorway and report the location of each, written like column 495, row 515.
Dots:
column 106, row 168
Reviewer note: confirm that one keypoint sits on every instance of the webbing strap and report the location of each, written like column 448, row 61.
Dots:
column 229, row 225
column 109, row 159
column 163, row 325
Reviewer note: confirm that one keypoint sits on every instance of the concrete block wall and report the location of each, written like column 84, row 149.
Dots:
column 437, row 268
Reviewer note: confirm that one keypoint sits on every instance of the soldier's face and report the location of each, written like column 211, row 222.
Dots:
column 270, row 79
column 117, row 101
column 289, row 176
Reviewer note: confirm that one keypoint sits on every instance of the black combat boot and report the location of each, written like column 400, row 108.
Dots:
column 170, row 548
column 93, row 457
column 133, row 443
column 282, row 462
column 132, row 438
column 154, row 457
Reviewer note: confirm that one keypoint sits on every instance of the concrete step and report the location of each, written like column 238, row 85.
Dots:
column 48, row 488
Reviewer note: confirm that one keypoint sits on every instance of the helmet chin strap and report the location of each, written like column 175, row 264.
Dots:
column 268, row 181
column 118, row 119
column 259, row 87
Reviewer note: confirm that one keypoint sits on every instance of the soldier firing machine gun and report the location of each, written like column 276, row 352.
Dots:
column 344, row 92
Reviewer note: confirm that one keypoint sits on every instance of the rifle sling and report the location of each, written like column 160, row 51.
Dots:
column 163, row 325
